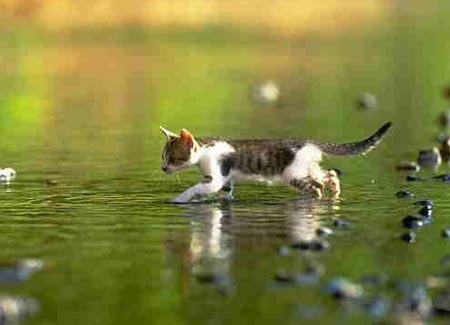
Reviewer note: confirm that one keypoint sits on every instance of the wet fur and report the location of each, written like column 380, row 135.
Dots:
column 293, row 161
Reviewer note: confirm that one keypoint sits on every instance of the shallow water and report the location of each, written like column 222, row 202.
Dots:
column 79, row 119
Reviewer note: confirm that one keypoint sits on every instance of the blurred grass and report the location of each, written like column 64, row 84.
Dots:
column 189, row 75
column 278, row 17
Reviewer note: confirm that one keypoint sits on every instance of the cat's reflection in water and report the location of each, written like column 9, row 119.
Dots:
column 210, row 245
column 219, row 229
column 208, row 254
column 304, row 218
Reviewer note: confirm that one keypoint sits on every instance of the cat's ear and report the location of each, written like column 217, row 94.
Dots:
column 168, row 134
column 187, row 137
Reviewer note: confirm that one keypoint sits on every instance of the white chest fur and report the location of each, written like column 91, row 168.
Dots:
column 210, row 156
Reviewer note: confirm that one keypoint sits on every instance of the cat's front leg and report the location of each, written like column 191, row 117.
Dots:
column 186, row 196
column 228, row 189
column 209, row 186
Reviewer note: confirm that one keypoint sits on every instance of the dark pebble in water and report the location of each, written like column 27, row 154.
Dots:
column 446, row 91
column 441, row 178
column 404, row 194
column 438, row 178
column 425, row 203
column 341, row 223
column 285, row 277
column 284, row 251
column 430, row 157
column 367, row 101
column 312, row 245
column 14, row 308
column 414, row 178
column 441, row 303
column 213, row 278
column 446, row 232
column 378, row 307
column 222, row 282
column 426, row 211
column 409, row 237
column 206, row 277
column 444, row 118
column 412, row 222
column 324, row 232
column 408, row 166
column 343, row 289
column 445, row 260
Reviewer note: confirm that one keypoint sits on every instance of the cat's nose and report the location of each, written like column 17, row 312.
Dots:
column 164, row 168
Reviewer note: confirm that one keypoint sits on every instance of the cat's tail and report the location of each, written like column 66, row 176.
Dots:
column 355, row 148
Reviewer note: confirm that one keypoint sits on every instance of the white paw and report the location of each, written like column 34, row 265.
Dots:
column 179, row 200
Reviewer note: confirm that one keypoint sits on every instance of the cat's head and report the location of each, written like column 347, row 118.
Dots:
column 179, row 151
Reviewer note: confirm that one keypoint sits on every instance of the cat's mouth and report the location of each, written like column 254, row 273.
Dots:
column 167, row 170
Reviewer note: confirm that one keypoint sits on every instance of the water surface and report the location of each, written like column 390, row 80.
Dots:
column 79, row 119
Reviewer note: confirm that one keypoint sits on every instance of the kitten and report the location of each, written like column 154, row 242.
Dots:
column 293, row 161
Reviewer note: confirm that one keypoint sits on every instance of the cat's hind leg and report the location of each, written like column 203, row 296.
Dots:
column 331, row 180
column 304, row 173
column 308, row 186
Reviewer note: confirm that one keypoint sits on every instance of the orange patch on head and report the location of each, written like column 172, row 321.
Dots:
column 186, row 137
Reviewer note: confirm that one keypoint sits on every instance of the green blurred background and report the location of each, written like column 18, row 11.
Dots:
column 84, row 86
